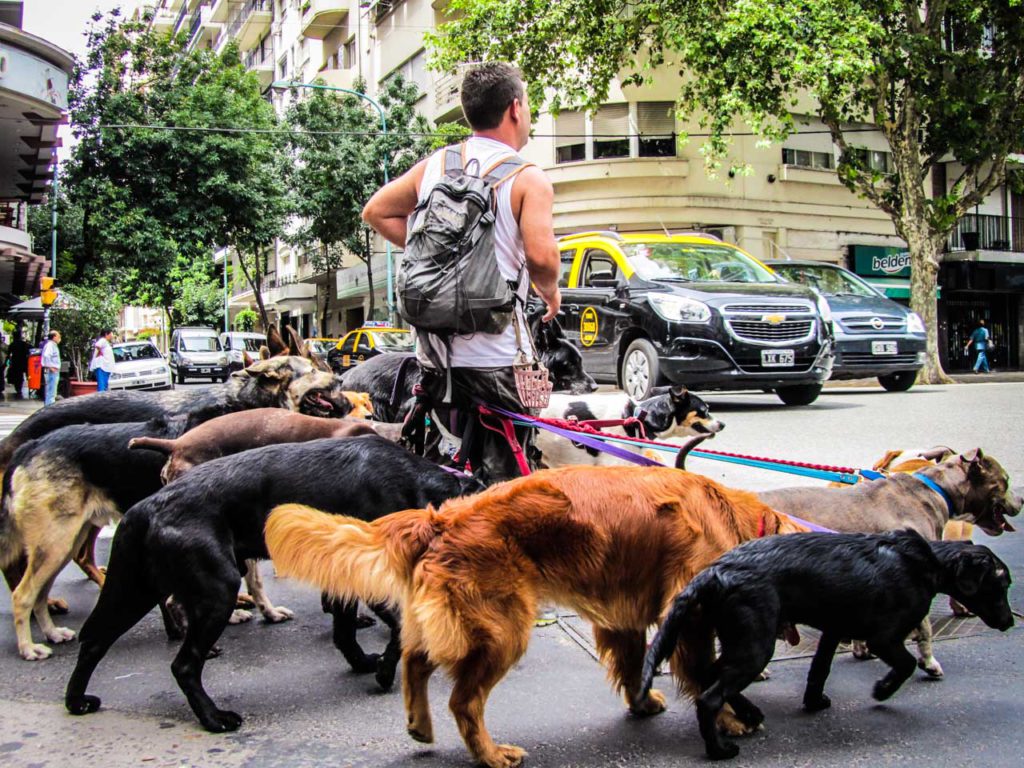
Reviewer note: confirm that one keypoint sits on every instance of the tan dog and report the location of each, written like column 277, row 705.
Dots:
column 614, row 543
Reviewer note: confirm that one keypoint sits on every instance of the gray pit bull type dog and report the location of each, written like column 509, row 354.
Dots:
column 970, row 487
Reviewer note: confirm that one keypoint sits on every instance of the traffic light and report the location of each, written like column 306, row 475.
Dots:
column 47, row 291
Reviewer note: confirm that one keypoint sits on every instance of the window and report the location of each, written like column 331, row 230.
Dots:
column 611, row 131
column 348, row 347
column 807, row 158
column 656, row 126
column 365, row 344
column 570, row 137
column 567, row 258
column 348, row 53
column 599, row 266
column 873, row 159
column 414, row 70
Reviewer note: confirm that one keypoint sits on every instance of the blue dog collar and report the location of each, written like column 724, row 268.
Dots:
column 938, row 489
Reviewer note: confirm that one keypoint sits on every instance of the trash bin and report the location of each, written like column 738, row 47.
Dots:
column 35, row 370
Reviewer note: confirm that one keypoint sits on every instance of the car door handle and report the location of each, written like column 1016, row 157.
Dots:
column 573, row 307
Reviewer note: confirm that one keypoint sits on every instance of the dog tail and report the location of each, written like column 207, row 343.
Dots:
column 667, row 638
column 152, row 444
column 346, row 557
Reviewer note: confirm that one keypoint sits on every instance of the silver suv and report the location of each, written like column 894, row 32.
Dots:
column 197, row 353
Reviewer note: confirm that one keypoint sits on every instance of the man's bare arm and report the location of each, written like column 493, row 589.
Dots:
column 536, row 197
column 388, row 210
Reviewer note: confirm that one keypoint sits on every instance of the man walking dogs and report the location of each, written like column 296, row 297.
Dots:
column 481, row 364
column 50, row 363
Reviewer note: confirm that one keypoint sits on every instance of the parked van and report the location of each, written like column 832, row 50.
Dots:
column 236, row 343
column 197, row 353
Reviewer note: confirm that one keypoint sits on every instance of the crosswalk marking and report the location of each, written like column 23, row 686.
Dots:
column 8, row 422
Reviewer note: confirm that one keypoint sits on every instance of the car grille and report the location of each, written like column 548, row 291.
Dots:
column 873, row 361
column 761, row 309
column 760, row 331
column 862, row 324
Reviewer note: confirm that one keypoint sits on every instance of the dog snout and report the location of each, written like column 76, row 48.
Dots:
column 716, row 425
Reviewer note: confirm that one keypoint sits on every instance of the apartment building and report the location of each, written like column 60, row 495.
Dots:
column 624, row 167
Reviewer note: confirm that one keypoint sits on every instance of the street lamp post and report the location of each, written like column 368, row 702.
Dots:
column 384, row 131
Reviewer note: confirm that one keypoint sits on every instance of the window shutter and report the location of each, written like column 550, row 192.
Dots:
column 656, row 118
column 569, row 128
column 611, row 122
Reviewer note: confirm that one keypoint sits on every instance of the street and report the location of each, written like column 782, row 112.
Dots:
column 302, row 707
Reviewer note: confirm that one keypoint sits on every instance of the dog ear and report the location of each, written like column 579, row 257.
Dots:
column 267, row 369
column 969, row 572
column 545, row 336
column 295, row 345
column 678, row 392
column 275, row 344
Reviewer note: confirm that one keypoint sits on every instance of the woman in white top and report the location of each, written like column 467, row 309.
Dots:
column 103, row 360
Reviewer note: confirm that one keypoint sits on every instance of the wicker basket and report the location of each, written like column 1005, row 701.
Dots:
column 533, row 385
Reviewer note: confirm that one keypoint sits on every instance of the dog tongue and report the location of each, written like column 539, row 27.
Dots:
column 790, row 633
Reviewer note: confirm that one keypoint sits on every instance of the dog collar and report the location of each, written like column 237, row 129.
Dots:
column 938, row 489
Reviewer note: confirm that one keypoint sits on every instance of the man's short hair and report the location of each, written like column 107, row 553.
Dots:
column 487, row 91
column 53, row 334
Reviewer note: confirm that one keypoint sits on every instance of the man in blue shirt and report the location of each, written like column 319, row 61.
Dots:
column 51, row 366
column 981, row 341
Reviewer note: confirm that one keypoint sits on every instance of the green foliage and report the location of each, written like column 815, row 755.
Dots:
column 147, row 333
column 154, row 198
column 200, row 299
column 245, row 321
column 80, row 315
column 71, row 265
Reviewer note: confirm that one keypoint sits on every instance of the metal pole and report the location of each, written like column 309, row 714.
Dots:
column 53, row 250
column 384, row 130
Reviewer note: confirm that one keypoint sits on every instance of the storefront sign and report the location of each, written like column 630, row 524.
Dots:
column 880, row 261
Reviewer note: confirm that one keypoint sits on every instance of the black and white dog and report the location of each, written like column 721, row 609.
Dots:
column 875, row 586
column 673, row 412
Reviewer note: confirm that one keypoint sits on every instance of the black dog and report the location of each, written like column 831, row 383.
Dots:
column 877, row 587
column 191, row 538
column 390, row 379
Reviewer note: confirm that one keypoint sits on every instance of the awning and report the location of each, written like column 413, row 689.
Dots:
column 894, row 288
column 33, row 308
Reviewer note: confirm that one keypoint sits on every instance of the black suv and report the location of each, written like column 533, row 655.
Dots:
column 646, row 309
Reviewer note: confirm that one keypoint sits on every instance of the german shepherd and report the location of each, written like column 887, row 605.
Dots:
column 614, row 543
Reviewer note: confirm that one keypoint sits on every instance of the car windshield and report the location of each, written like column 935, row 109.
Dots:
column 392, row 341
column 129, row 352
column 694, row 263
column 831, row 281
column 322, row 346
column 200, row 344
column 249, row 344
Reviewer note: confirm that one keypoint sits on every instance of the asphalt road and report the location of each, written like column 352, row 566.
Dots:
column 302, row 706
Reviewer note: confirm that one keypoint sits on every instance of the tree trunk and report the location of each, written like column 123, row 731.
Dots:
column 924, row 280
column 255, row 280
column 327, row 301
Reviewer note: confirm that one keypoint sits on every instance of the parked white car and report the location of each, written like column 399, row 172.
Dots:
column 139, row 365
column 237, row 342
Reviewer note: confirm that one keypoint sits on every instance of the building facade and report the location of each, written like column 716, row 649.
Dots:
column 623, row 167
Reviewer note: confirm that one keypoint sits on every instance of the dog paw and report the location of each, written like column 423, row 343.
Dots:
column 882, row 690
column 730, row 725
column 35, row 652
column 82, row 705
column 424, row 735
column 385, row 675
column 366, row 665
column 222, row 721
column 57, row 606
column 764, row 674
column 725, row 750
column 654, row 704
column 505, row 756
column 59, row 634
column 931, row 667
column 277, row 614
column 239, row 616
column 860, row 651
column 812, row 704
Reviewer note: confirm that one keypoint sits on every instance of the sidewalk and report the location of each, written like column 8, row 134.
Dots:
column 20, row 407
column 997, row 377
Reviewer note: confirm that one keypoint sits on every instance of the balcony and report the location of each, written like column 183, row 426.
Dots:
column 220, row 10
column 261, row 61
column 202, row 31
column 983, row 232
column 287, row 289
column 163, row 19
column 250, row 23
column 337, row 78
column 321, row 17
column 447, row 102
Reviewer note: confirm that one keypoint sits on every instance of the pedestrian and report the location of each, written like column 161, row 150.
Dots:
column 982, row 341
column 17, row 367
column 51, row 367
column 495, row 104
column 103, row 360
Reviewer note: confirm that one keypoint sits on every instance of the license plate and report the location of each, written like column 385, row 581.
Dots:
column 883, row 348
column 778, row 358
column 204, row 370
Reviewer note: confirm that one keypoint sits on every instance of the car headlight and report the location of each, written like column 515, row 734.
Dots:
column 679, row 308
column 114, row 376
column 185, row 361
column 222, row 360
column 914, row 323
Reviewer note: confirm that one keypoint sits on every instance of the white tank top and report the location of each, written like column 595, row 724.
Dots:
column 485, row 350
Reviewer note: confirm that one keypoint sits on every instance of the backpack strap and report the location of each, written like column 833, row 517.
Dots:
column 504, row 169
column 454, row 159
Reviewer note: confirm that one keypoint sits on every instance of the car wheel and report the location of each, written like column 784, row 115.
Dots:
column 640, row 369
column 799, row 394
column 900, row 381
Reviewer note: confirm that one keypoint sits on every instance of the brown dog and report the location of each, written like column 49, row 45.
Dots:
column 614, row 543
column 244, row 431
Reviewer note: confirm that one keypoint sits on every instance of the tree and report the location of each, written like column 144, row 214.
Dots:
column 245, row 321
column 177, row 154
column 340, row 154
column 200, row 299
column 80, row 315
column 941, row 81
column 71, row 265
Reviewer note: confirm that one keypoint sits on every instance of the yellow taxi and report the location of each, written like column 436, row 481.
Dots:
column 370, row 340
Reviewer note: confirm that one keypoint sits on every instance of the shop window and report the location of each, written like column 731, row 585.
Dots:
column 807, row 158
column 656, row 126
